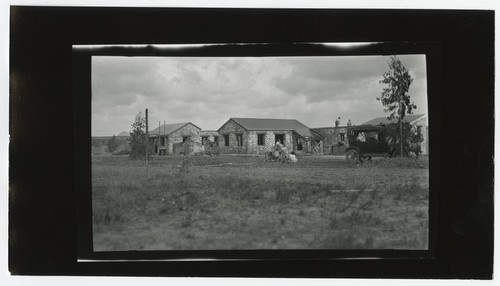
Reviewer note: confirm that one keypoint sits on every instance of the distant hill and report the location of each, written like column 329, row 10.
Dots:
column 123, row 134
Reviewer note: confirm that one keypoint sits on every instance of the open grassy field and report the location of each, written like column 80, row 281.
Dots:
column 230, row 202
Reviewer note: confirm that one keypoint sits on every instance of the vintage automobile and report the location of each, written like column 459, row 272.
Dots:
column 365, row 142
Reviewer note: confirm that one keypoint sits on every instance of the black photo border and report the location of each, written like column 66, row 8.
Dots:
column 49, row 185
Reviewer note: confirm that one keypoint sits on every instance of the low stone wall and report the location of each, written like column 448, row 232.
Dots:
column 233, row 150
column 188, row 147
column 337, row 149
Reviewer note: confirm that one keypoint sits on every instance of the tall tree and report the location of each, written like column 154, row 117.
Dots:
column 138, row 137
column 395, row 95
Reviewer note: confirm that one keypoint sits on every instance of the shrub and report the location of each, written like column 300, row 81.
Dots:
column 138, row 138
column 411, row 142
column 99, row 150
column 111, row 144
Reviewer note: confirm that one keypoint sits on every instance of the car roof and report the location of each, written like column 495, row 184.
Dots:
column 365, row 128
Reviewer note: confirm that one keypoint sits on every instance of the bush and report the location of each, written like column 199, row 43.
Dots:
column 111, row 144
column 98, row 150
column 411, row 143
column 138, row 138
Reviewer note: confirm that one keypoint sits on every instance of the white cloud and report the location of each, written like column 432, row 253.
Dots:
column 208, row 91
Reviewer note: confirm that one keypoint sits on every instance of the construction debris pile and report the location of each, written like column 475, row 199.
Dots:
column 211, row 148
column 280, row 154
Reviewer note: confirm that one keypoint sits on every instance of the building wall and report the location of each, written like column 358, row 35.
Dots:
column 232, row 129
column 288, row 143
column 332, row 139
column 187, row 147
column 424, row 130
column 269, row 141
column 211, row 134
column 188, row 130
column 250, row 140
column 211, row 143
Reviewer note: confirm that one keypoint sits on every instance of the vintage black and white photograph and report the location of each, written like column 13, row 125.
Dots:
column 245, row 153
column 257, row 142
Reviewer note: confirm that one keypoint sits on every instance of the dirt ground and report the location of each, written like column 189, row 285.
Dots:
column 229, row 202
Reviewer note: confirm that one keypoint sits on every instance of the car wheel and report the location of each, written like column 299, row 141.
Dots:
column 352, row 156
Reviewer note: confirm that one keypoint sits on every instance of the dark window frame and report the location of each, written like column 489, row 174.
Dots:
column 281, row 135
column 239, row 140
column 261, row 139
column 226, row 140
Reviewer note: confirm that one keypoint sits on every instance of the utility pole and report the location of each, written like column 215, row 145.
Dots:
column 159, row 139
column 401, row 128
column 147, row 143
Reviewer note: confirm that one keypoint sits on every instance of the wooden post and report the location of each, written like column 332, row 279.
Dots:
column 147, row 143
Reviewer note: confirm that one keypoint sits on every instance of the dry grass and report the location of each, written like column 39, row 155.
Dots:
column 245, row 203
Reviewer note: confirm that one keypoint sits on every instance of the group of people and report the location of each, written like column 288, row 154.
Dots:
column 337, row 122
column 281, row 153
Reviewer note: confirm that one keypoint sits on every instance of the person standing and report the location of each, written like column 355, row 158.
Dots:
column 349, row 123
column 337, row 122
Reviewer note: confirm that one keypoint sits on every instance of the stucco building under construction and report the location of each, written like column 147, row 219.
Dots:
column 258, row 135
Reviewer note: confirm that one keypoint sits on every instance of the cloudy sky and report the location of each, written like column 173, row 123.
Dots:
column 207, row 91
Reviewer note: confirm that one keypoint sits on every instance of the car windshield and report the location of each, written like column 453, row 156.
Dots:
column 372, row 136
column 361, row 137
column 367, row 136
